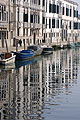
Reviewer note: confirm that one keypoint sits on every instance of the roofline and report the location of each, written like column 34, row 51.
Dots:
column 70, row 1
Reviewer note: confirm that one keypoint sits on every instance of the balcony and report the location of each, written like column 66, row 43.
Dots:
column 43, row 8
column 44, row 26
column 19, row 24
column 35, row 26
column 60, row 15
column 18, row 3
column 35, row 7
column 26, row 25
column 3, row 24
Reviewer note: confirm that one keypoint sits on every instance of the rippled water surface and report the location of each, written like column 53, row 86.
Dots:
column 44, row 88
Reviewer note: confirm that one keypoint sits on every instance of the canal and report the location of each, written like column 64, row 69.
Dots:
column 44, row 88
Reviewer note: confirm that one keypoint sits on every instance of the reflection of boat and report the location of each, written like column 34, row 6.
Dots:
column 7, row 67
column 47, row 50
column 20, row 63
column 7, row 58
column 36, row 49
column 24, row 54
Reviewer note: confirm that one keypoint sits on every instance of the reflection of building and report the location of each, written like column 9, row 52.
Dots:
column 60, row 70
column 6, row 94
column 24, row 90
column 29, row 91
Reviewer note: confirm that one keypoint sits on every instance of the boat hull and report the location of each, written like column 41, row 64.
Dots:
column 10, row 60
column 47, row 50
column 24, row 55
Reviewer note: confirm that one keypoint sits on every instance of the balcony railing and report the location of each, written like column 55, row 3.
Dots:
column 26, row 4
column 3, row 24
column 35, row 7
column 19, row 24
column 60, row 15
column 26, row 25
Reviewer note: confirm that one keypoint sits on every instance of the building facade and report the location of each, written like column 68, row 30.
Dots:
column 3, row 23
column 53, row 22
column 61, row 19
column 28, row 21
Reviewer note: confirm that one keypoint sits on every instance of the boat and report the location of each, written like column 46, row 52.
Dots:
column 7, row 58
column 77, row 44
column 36, row 49
column 47, row 50
column 24, row 54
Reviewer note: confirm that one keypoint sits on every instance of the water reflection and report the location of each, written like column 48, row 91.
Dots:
column 28, row 92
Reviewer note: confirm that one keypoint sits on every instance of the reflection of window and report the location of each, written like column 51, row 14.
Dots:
column 5, row 35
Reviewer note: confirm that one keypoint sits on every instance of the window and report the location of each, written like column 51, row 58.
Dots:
column 54, row 8
column 23, row 31
column 53, row 23
column 63, row 11
column 38, row 19
column 70, row 12
column 31, row 18
column 0, row 15
column 57, row 9
column 25, row 16
column 50, row 8
column 57, row 23
column 67, row 12
column 49, row 23
column 43, row 2
column 75, row 25
column 0, row 35
column 18, row 32
column 43, row 20
column 70, row 24
column 39, row 2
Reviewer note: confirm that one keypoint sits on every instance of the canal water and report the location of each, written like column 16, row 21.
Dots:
column 44, row 88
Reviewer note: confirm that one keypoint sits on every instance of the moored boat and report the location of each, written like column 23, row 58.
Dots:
column 7, row 58
column 24, row 54
column 36, row 49
column 47, row 50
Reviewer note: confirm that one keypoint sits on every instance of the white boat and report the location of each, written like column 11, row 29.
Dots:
column 7, row 58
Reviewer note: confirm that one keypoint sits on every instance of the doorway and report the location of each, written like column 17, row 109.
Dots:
column 34, row 39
